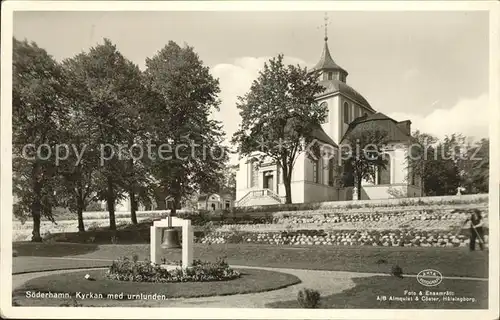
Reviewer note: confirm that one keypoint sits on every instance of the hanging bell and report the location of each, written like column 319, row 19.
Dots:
column 170, row 239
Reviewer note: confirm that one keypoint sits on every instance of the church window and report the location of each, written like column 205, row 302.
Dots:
column 384, row 174
column 316, row 171
column 331, row 173
column 255, row 175
column 346, row 113
column 325, row 105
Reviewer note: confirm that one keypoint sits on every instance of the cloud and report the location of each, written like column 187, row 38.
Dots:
column 469, row 117
column 410, row 74
column 235, row 80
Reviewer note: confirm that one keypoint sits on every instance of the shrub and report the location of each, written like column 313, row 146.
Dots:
column 308, row 298
column 236, row 237
column 143, row 271
column 93, row 226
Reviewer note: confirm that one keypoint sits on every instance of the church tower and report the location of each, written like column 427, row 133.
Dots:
column 327, row 68
column 344, row 104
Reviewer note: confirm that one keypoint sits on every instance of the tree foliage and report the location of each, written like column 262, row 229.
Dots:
column 38, row 113
column 447, row 164
column 110, row 87
column 193, row 154
column 363, row 152
column 279, row 115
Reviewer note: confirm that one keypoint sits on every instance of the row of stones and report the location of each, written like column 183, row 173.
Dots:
column 407, row 239
column 374, row 217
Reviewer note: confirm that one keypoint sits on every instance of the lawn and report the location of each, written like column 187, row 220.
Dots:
column 449, row 261
column 251, row 280
column 369, row 293
column 35, row 264
column 43, row 249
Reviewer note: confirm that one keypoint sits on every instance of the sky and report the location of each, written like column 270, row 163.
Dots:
column 428, row 67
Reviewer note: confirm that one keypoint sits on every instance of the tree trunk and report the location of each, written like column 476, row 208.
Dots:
column 111, row 205
column 358, row 186
column 288, row 187
column 36, row 206
column 80, row 208
column 173, row 210
column 80, row 205
column 35, row 212
column 133, row 202
column 133, row 207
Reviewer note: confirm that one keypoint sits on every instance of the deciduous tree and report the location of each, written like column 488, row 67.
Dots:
column 192, row 154
column 362, row 154
column 113, row 85
column 38, row 113
column 278, row 115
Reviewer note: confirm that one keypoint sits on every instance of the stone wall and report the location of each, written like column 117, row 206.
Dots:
column 362, row 205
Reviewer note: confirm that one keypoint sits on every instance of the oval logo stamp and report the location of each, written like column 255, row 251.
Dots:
column 429, row 277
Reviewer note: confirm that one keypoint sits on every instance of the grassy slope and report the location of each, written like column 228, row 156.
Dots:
column 365, row 293
column 449, row 261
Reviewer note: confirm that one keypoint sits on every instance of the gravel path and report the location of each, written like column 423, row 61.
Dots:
column 326, row 282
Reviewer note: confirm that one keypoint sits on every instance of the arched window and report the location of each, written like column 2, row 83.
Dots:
column 331, row 172
column 384, row 174
column 254, row 178
column 327, row 116
column 346, row 113
column 316, row 171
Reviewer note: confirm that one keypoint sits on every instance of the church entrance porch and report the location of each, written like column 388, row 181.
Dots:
column 269, row 180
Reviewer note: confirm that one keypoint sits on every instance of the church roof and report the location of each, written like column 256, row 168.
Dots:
column 326, row 61
column 321, row 135
column 223, row 195
column 396, row 134
column 334, row 85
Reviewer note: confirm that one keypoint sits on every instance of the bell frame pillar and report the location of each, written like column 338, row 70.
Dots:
column 187, row 240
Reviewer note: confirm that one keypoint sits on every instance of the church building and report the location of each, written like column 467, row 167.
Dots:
column 317, row 181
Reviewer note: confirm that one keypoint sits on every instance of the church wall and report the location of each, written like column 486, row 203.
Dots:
column 314, row 192
column 399, row 172
column 342, row 125
column 297, row 188
column 242, row 176
column 389, row 191
column 331, row 127
column 243, row 179
column 372, row 192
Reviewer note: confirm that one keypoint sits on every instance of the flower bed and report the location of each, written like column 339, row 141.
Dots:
column 406, row 238
column 144, row 271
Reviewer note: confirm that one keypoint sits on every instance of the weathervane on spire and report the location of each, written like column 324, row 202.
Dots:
column 326, row 26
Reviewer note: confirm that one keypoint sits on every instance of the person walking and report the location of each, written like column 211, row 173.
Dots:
column 476, row 229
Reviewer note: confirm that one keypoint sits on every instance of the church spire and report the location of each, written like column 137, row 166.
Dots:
column 326, row 27
column 326, row 63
